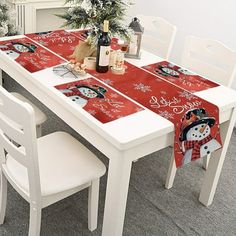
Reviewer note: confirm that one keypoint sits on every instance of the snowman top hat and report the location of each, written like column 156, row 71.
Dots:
column 29, row 46
column 192, row 118
column 168, row 70
column 43, row 33
column 97, row 89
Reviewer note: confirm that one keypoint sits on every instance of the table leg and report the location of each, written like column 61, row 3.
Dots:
column 116, row 195
column 216, row 163
column 0, row 77
column 171, row 172
column 205, row 161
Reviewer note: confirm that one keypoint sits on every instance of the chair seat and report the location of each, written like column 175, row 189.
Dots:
column 40, row 117
column 64, row 163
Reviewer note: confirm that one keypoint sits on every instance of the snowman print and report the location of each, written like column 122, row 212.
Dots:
column 14, row 49
column 81, row 94
column 13, row 54
column 185, row 72
column 196, row 135
column 168, row 70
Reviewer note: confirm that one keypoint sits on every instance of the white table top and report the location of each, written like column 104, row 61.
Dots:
column 128, row 131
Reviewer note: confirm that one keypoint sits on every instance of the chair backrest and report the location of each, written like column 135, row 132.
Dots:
column 17, row 125
column 158, row 36
column 211, row 59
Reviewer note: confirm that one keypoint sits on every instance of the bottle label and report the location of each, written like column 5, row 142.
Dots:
column 119, row 62
column 104, row 56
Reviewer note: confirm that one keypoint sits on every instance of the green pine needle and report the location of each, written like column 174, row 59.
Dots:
column 92, row 13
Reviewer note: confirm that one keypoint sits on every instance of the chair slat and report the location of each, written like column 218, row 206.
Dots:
column 13, row 131
column 211, row 59
column 13, row 110
column 12, row 150
column 158, row 35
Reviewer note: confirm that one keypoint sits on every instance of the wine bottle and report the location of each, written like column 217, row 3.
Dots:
column 103, row 50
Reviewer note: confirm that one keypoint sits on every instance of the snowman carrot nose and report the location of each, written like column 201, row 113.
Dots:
column 203, row 128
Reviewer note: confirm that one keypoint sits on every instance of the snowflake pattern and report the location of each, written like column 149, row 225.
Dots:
column 167, row 115
column 187, row 95
column 143, row 88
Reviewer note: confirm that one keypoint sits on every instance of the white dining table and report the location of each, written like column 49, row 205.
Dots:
column 126, row 139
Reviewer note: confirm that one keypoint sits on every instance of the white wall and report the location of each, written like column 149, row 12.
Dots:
column 214, row 19
column 47, row 19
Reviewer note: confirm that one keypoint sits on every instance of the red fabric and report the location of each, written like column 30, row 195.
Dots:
column 163, row 98
column 196, row 145
column 111, row 107
column 61, row 42
column 190, row 82
column 33, row 61
column 165, row 91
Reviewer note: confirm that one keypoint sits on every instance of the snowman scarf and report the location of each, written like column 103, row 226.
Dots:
column 195, row 145
column 75, row 92
column 168, row 91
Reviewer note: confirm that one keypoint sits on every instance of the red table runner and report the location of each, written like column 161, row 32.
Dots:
column 29, row 54
column 99, row 100
column 196, row 120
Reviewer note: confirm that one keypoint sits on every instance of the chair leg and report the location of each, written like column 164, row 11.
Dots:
column 171, row 172
column 93, row 204
column 35, row 220
column 3, row 197
column 205, row 161
column 39, row 131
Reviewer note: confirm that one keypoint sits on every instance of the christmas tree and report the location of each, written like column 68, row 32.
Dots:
column 7, row 26
column 92, row 13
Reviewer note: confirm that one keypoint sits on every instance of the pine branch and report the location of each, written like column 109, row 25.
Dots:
column 7, row 26
column 92, row 13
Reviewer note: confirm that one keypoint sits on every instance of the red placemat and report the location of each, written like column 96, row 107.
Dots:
column 196, row 120
column 99, row 100
column 61, row 42
column 180, row 77
column 29, row 54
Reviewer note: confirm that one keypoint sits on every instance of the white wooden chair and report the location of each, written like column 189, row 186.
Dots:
column 158, row 36
column 40, row 116
column 213, row 60
column 44, row 170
